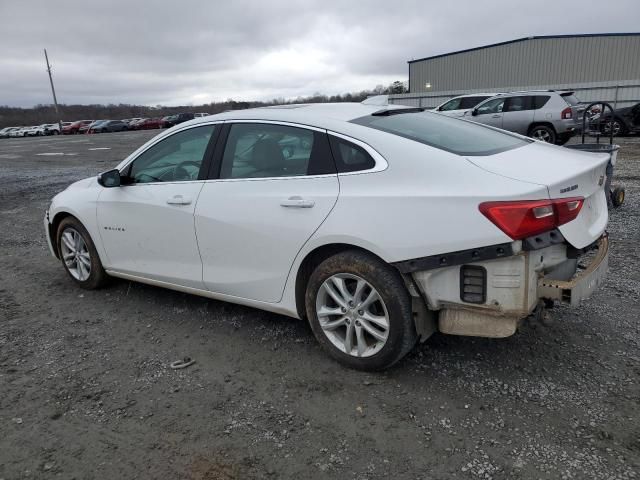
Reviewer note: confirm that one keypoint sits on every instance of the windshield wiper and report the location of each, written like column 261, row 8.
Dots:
column 396, row 111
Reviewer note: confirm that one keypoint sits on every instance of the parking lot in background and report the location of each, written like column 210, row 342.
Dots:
column 86, row 390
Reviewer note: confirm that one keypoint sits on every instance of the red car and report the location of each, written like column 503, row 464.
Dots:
column 149, row 123
column 74, row 127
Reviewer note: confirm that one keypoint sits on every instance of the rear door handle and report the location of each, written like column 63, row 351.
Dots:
column 297, row 202
column 179, row 200
column 496, row 116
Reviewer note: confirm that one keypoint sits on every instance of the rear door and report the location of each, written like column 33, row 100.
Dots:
column 518, row 114
column 489, row 112
column 272, row 186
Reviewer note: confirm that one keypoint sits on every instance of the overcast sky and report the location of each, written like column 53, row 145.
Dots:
column 191, row 52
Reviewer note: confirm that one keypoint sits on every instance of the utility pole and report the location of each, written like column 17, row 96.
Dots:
column 53, row 90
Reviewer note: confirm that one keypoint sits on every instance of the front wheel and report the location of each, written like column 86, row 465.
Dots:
column 79, row 255
column 360, row 311
column 543, row 133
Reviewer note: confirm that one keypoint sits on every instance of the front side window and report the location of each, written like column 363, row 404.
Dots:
column 491, row 106
column 177, row 158
column 256, row 150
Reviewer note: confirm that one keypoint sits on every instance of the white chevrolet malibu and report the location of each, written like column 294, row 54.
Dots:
column 377, row 225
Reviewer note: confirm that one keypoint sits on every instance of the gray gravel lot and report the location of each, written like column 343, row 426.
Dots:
column 86, row 390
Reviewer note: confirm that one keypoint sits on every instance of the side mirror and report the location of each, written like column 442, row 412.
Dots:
column 110, row 179
column 474, row 112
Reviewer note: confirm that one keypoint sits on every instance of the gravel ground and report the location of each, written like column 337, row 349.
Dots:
column 86, row 390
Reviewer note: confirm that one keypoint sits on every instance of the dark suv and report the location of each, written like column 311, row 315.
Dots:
column 625, row 120
column 179, row 118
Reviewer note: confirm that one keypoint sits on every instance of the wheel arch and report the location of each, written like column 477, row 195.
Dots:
column 314, row 258
column 541, row 124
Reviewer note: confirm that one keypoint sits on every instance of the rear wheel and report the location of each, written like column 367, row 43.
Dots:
column 544, row 133
column 79, row 255
column 616, row 125
column 360, row 311
column 617, row 196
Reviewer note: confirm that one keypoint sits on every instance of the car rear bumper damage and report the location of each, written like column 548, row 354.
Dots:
column 490, row 297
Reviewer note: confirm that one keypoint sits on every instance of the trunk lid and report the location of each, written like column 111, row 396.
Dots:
column 565, row 173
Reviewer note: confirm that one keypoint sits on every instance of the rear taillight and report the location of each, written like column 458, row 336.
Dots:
column 567, row 113
column 522, row 219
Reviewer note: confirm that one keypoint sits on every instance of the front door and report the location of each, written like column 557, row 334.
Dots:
column 490, row 112
column 276, row 185
column 146, row 224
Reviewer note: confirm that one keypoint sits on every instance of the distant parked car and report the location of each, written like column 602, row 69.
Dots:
column 74, row 127
column 109, row 126
column 6, row 132
column 133, row 124
column 179, row 118
column 458, row 106
column 132, row 121
column 34, row 131
column 16, row 132
column 546, row 115
column 50, row 129
column 624, row 120
column 86, row 128
column 149, row 123
column 201, row 114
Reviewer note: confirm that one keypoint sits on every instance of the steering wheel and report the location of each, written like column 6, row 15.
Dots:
column 181, row 173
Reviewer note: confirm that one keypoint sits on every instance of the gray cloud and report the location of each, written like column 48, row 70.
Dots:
column 196, row 51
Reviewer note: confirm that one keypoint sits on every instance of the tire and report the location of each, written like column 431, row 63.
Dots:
column 56, row 132
column 543, row 132
column 619, row 128
column 393, row 305
column 617, row 196
column 96, row 277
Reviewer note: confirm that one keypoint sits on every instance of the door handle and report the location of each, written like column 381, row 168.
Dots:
column 297, row 202
column 496, row 116
column 179, row 200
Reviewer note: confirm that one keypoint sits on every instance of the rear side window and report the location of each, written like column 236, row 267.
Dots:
column 539, row 101
column 451, row 105
column 350, row 157
column 518, row 104
column 570, row 98
column 470, row 102
column 445, row 133
column 256, row 150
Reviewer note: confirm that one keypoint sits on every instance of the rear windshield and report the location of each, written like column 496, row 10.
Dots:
column 570, row 98
column 445, row 133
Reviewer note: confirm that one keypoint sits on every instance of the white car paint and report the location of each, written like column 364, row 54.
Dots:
column 460, row 112
column 233, row 239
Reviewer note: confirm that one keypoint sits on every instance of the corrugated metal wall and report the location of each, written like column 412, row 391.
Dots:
column 531, row 62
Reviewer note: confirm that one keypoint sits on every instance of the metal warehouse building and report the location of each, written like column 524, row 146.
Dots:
column 596, row 66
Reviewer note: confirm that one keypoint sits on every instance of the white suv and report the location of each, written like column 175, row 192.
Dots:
column 458, row 106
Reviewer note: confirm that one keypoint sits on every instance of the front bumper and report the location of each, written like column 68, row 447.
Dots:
column 583, row 284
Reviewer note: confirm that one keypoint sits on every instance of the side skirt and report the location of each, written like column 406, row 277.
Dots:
column 270, row 307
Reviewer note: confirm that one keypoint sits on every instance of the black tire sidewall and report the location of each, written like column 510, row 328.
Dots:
column 390, row 286
column 550, row 130
column 97, row 277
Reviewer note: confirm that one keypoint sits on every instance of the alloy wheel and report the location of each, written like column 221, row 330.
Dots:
column 352, row 315
column 75, row 254
column 542, row 134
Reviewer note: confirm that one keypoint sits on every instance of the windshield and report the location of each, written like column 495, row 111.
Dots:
column 445, row 133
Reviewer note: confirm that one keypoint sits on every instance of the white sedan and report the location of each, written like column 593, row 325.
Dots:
column 378, row 225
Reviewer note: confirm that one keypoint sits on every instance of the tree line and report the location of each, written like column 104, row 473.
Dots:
column 17, row 116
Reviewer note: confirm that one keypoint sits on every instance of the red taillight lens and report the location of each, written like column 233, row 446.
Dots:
column 522, row 219
column 567, row 113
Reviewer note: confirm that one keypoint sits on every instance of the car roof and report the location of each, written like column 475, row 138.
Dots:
column 322, row 115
